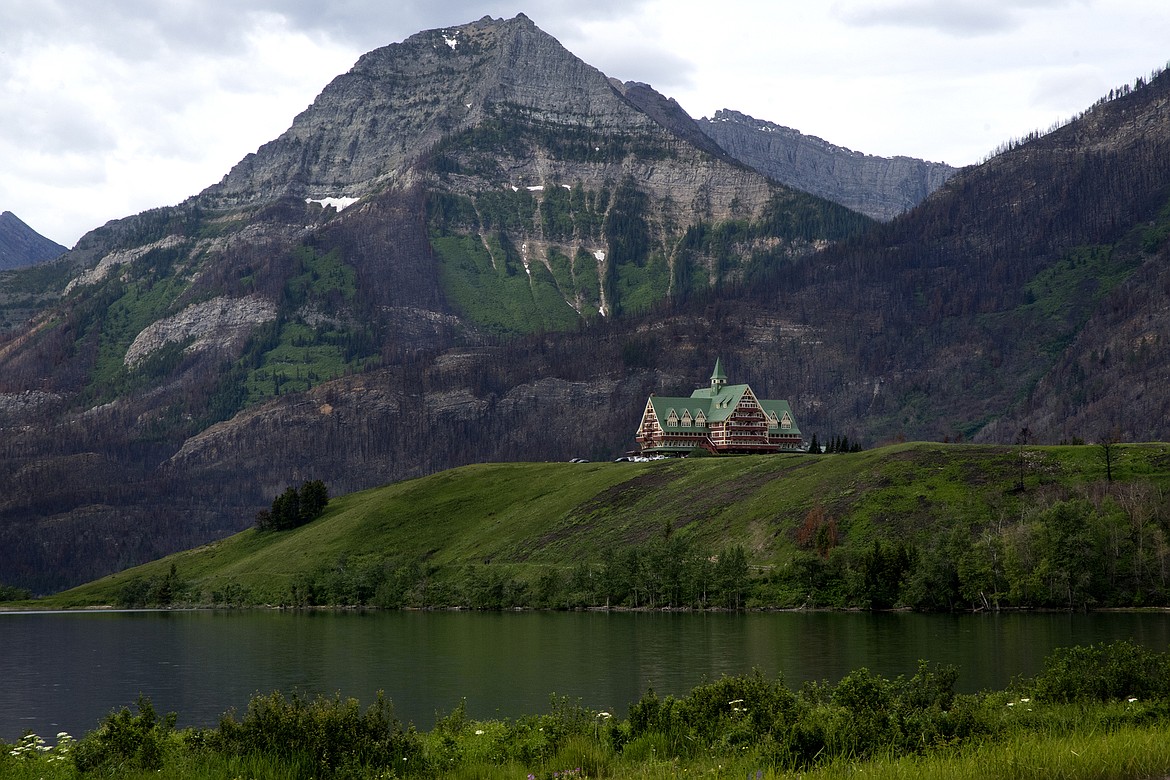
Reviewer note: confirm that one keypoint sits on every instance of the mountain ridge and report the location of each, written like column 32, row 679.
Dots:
column 879, row 187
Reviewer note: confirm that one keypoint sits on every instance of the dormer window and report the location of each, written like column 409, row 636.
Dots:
column 786, row 421
column 700, row 420
column 686, row 418
column 672, row 419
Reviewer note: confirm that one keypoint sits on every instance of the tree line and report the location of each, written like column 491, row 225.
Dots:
column 665, row 572
column 294, row 507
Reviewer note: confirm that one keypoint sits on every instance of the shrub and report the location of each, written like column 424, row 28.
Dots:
column 1103, row 672
column 334, row 736
column 864, row 721
column 125, row 741
column 161, row 591
column 728, row 713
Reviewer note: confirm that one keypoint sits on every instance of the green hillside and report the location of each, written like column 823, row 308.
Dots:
column 930, row 526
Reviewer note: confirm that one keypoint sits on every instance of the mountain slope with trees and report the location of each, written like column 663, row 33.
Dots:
column 184, row 365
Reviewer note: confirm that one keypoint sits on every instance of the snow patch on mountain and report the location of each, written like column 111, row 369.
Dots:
column 340, row 204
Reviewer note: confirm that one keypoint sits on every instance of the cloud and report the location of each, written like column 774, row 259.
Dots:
column 629, row 52
column 368, row 24
column 961, row 18
column 114, row 107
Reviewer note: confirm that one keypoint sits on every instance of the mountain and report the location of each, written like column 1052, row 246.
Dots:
column 879, row 187
column 475, row 247
column 21, row 246
column 448, row 194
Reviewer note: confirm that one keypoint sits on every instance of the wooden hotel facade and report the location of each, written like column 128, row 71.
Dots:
column 721, row 419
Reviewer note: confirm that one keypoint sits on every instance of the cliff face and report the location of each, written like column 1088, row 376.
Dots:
column 879, row 187
column 524, row 159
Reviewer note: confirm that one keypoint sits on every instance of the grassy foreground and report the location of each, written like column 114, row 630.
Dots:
column 928, row 526
column 1094, row 712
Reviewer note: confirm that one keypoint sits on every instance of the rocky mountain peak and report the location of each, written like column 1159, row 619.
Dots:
column 369, row 125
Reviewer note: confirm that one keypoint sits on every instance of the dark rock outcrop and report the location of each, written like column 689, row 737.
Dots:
column 21, row 246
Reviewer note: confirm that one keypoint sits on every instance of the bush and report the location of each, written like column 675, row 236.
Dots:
column 865, row 719
column 163, row 591
column 728, row 713
column 13, row 593
column 333, row 735
column 124, row 741
column 1105, row 672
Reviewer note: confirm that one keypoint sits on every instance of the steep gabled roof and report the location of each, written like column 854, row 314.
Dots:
column 779, row 409
column 721, row 401
column 663, row 405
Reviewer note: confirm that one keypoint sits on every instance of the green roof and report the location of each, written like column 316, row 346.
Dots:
column 716, row 405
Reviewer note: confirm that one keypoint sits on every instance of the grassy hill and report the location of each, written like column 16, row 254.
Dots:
column 924, row 525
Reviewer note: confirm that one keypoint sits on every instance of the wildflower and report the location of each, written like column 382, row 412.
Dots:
column 604, row 715
column 1131, row 699
column 29, row 745
column 479, row 732
column 1025, row 701
column 1011, row 704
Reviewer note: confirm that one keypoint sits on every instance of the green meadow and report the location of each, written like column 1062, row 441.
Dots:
column 923, row 526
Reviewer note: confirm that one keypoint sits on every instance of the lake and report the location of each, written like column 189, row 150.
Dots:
column 62, row 671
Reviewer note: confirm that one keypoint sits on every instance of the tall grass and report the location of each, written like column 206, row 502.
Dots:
column 1122, row 754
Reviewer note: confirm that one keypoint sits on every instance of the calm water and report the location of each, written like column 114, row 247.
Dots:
column 64, row 671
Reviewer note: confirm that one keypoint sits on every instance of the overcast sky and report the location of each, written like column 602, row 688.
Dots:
column 110, row 108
